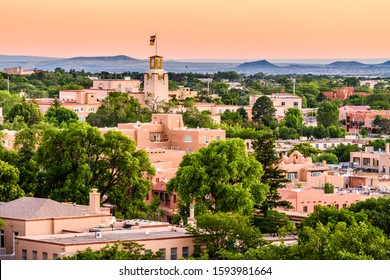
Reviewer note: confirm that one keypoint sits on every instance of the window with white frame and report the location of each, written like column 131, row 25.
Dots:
column 188, row 138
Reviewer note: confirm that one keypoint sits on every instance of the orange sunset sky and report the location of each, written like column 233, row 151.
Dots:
column 197, row 29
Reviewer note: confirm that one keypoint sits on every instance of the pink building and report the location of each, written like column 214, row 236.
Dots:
column 305, row 199
column 343, row 93
column 29, row 216
column 167, row 131
column 357, row 120
column 7, row 140
column 19, row 71
column 372, row 161
column 126, row 85
column 343, row 110
column 40, row 229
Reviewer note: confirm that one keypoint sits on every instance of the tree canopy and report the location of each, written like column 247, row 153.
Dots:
column 78, row 158
column 221, row 177
column 263, row 110
column 117, row 108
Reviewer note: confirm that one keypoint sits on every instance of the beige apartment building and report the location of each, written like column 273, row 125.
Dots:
column 281, row 101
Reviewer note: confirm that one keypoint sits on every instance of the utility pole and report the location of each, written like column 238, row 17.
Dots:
column 8, row 84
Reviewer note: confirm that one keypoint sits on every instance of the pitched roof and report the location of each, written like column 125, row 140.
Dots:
column 30, row 208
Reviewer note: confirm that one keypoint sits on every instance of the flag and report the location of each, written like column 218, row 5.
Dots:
column 152, row 40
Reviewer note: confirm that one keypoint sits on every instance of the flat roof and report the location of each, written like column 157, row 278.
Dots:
column 107, row 237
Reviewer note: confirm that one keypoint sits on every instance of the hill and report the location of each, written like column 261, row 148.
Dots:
column 259, row 64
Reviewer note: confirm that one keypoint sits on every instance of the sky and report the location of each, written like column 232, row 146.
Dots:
column 197, row 29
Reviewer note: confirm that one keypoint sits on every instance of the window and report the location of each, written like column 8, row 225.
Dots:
column 55, row 256
column 189, row 150
column 24, row 254
column 147, row 252
column 2, row 245
column 173, row 253
column 162, row 250
column 345, row 206
column 305, row 209
column 283, row 103
column 44, row 255
column 34, row 255
column 185, row 252
column 315, row 174
column 205, row 139
column 337, row 206
column 188, row 138
column 218, row 137
column 156, row 137
column 295, row 104
column 174, row 198
column 172, row 147
column 292, row 176
column 325, row 146
column 317, row 146
column 178, row 148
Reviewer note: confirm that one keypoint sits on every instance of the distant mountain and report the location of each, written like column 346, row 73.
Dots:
column 346, row 64
column 260, row 64
column 108, row 59
column 387, row 64
column 123, row 63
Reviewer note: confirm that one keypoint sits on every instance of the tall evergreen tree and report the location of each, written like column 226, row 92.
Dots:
column 275, row 178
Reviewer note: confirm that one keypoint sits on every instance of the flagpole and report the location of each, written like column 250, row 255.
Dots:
column 156, row 43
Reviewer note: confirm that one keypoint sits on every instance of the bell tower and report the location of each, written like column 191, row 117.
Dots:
column 156, row 79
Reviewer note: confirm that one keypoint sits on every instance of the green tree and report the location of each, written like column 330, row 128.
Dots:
column 274, row 222
column 78, row 158
column 275, row 178
column 118, row 251
column 118, row 108
column 9, row 177
column 7, row 101
column 60, row 115
column 328, row 188
column 263, row 110
column 377, row 211
column 306, row 149
column 328, row 157
column 27, row 112
column 221, row 177
column 328, row 114
column 340, row 241
column 192, row 117
column 343, row 151
column 225, row 231
column 294, row 118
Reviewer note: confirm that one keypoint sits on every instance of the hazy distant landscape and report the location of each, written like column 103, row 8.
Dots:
column 122, row 63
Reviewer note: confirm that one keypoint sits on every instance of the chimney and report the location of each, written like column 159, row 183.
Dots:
column 191, row 219
column 387, row 148
column 94, row 201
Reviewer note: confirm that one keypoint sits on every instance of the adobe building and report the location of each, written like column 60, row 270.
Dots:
column 343, row 93
column 356, row 120
column 281, row 101
column 173, row 242
column 372, row 161
column 343, row 110
column 19, row 71
column 305, row 199
column 167, row 131
column 29, row 216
